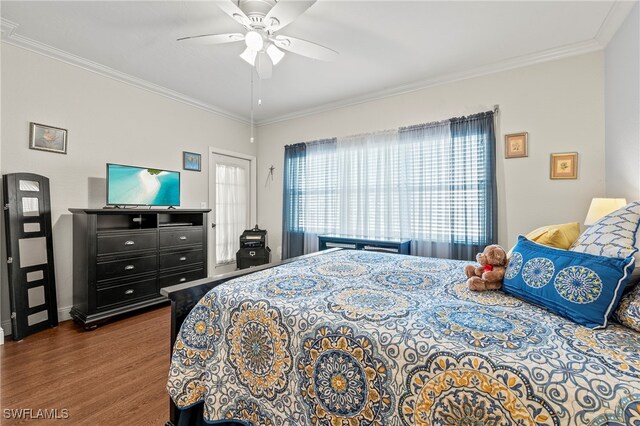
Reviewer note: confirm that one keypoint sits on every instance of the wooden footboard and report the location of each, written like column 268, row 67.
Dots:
column 185, row 296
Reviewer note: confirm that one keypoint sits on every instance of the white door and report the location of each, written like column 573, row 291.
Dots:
column 231, row 204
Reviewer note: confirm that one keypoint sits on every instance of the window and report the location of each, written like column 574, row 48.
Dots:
column 432, row 183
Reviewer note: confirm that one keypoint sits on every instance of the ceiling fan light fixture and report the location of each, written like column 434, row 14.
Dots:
column 254, row 41
column 249, row 56
column 275, row 54
column 261, row 19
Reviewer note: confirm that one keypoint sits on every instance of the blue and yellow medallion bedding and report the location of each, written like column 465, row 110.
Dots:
column 353, row 338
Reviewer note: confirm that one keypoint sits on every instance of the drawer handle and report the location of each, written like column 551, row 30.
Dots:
column 183, row 237
column 129, row 243
column 130, row 291
column 129, row 267
column 183, row 279
column 183, row 258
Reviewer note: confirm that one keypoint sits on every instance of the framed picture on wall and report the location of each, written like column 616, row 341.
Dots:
column 191, row 161
column 516, row 145
column 564, row 165
column 47, row 138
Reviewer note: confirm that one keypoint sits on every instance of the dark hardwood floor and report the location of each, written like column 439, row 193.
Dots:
column 114, row 375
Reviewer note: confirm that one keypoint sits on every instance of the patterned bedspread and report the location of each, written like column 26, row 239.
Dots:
column 355, row 338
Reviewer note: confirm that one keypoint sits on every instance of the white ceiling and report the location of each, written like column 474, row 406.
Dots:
column 384, row 46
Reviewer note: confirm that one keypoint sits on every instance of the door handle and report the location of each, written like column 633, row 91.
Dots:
column 130, row 291
column 129, row 243
column 129, row 267
column 183, row 258
column 183, row 279
column 182, row 237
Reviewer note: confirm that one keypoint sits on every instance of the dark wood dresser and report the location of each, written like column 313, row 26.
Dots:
column 123, row 257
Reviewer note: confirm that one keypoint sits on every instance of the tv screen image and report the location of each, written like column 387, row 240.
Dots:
column 141, row 186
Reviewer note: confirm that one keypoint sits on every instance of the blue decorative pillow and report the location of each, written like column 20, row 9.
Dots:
column 582, row 287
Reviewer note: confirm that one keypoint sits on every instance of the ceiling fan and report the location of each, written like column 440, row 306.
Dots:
column 261, row 20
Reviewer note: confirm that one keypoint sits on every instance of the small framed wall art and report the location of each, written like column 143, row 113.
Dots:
column 191, row 161
column 47, row 138
column 516, row 145
column 564, row 165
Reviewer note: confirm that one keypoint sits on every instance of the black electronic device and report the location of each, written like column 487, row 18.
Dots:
column 253, row 248
column 142, row 186
column 253, row 238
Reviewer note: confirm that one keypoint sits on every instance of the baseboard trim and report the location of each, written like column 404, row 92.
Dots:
column 5, row 326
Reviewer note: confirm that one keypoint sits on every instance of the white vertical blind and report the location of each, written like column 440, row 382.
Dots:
column 231, row 210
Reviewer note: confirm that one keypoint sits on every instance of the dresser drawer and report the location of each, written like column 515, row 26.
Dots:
column 180, row 237
column 129, row 292
column 180, row 277
column 107, row 270
column 181, row 258
column 112, row 244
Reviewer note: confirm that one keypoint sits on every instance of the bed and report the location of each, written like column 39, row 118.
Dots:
column 359, row 338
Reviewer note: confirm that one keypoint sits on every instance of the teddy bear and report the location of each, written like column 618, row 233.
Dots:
column 487, row 276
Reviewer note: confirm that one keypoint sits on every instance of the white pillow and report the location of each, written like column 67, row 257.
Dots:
column 614, row 235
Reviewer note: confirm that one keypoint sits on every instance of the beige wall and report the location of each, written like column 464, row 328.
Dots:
column 560, row 104
column 622, row 110
column 108, row 121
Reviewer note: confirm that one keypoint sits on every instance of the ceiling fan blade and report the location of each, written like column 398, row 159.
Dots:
column 212, row 39
column 304, row 48
column 285, row 12
column 230, row 8
column 264, row 67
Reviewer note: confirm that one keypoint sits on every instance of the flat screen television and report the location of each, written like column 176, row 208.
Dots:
column 142, row 186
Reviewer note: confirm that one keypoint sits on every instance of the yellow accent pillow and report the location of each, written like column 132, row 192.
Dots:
column 558, row 236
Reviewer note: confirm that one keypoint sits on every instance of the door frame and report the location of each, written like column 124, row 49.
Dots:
column 253, row 198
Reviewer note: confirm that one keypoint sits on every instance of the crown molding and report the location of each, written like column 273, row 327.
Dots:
column 7, row 27
column 513, row 63
column 619, row 11
column 9, row 36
